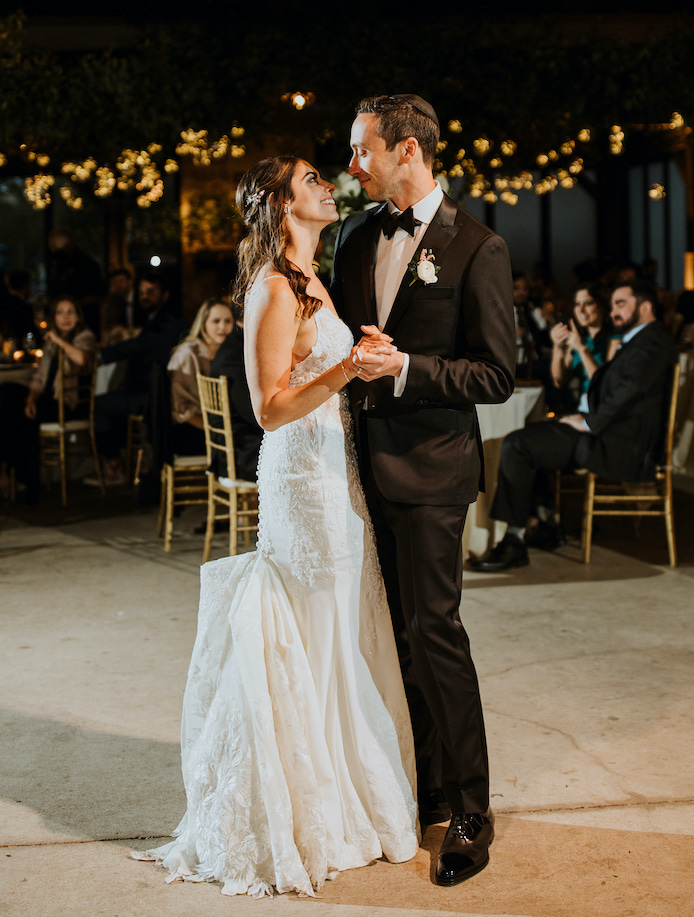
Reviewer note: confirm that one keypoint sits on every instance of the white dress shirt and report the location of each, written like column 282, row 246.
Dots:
column 392, row 259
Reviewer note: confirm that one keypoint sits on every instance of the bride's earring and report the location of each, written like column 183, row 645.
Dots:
column 287, row 209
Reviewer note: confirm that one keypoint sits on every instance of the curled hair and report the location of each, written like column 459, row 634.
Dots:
column 262, row 196
column 399, row 119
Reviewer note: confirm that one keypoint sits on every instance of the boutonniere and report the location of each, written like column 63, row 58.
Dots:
column 424, row 268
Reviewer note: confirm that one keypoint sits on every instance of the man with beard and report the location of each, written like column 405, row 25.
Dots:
column 620, row 436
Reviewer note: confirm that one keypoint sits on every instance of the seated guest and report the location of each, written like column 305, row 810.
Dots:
column 194, row 354
column 121, row 310
column 532, row 328
column 161, row 332
column 618, row 437
column 684, row 321
column 247, row 433
column 586, row 343
column 22, row 413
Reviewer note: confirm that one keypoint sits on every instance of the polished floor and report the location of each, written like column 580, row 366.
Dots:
column 587, row 682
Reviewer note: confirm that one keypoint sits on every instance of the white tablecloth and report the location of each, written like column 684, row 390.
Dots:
column 496, row 420
column 16, row 372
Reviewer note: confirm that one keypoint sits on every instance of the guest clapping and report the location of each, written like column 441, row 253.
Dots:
column 585, row 343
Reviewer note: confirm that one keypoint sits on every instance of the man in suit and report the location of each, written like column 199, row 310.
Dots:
column 451, row 319
column 620, row 437
column 161, row 332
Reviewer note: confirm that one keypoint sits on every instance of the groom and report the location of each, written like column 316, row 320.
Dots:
column 437, row 283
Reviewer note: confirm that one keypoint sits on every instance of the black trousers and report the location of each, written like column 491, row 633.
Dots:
column 420, row 551
column 526, row 454
column 111, row 412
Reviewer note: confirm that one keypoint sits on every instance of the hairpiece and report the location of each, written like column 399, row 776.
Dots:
column 255, row 198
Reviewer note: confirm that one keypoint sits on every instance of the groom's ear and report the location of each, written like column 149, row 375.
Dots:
column 409, row 149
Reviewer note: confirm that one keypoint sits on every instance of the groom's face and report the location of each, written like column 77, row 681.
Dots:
column 377, row 168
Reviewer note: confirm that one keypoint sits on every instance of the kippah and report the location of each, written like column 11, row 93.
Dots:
column 420, row 104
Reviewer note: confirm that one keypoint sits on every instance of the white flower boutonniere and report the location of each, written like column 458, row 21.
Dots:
column 424, row 268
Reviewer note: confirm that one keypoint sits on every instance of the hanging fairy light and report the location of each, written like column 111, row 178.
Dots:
column 656, row 192
column 71, row 199
column 455, row 127
column 616, row 140
column 299, row 99
column 482, row 145
column 37, row 190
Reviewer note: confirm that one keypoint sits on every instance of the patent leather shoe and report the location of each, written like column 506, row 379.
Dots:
column 465, row 848
column 510, row 552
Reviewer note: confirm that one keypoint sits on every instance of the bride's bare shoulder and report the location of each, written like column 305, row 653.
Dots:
column 269, row 294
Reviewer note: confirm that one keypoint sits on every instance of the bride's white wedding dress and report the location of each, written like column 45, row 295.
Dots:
column 297, row 749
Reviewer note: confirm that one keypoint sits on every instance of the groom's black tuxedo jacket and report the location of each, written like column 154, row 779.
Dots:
column 627, row 408
column 425, row 447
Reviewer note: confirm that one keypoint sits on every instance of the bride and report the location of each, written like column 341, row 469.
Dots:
column 296, row 744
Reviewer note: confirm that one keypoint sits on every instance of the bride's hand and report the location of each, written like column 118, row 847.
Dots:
column 376, row 360
column 375, row 341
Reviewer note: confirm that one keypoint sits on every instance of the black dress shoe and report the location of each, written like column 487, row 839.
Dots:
column 465, row 848
column 510, row 552
column 545, row 536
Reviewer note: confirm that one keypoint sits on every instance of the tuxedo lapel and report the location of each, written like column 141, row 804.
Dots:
column 440, row 232
column 367, row 259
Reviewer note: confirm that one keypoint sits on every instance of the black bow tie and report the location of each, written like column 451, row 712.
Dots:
column 404, row 220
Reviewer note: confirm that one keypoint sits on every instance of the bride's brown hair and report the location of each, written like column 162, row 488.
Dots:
column 263, row 196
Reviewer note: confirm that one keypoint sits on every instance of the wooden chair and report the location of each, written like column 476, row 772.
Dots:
column 183, row 483
column 650, row 498
column 238, row 499
column 54, row 436
column 134, row 445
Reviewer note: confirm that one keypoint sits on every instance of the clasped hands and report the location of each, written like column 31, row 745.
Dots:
column 566, row 334
column 376, row 355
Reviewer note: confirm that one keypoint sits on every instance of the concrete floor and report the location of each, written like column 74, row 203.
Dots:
column 587, row 682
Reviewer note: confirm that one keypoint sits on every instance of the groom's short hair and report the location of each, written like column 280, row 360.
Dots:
column 400, row 117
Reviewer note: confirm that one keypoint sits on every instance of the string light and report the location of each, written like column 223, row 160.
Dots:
column 70, row 198
column 137, row 169
column 656, row 192
column 616, row 140
column 37, row 190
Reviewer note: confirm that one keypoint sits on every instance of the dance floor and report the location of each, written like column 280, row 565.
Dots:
column 587, row 682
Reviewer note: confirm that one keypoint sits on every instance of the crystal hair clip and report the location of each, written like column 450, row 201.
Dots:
column 255, row 198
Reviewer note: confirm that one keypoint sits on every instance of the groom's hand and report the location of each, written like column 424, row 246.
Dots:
column 376, row 356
